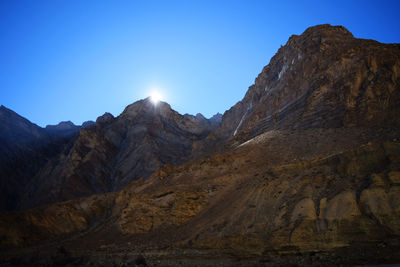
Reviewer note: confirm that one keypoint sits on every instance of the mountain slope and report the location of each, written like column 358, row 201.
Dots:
column 245, row 203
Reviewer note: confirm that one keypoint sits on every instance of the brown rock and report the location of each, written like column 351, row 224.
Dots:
column 394, row 177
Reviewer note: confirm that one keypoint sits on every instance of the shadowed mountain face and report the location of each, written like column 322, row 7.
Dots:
column 304, row 170
column 24, row 149
column 116, row 151
column 18, row 130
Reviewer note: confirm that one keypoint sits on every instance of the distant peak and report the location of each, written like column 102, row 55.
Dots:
column 104, row 118
column 64, row 125
column 217, row 118
column 200, row 116
column 67, row 123
column 217, row 115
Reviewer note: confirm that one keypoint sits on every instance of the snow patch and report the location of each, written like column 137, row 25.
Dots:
column 240, row 123
column 283, row 70
column 241, row 120
column 262, row 138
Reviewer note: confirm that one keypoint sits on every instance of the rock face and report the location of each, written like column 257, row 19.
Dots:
column 322, row 78
column 87, row 124
column 216, row 119
column 106, row 117
column 304, row 170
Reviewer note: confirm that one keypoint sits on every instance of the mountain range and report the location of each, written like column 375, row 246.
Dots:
column 305, row 169
column 96, row 157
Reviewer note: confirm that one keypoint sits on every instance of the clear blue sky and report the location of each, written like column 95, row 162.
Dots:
column 74, row 60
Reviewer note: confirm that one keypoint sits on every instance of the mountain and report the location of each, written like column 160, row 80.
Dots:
column 115, row 151
column 324, row 78
column 24, row 149
column 304, row 170
column 97, row 157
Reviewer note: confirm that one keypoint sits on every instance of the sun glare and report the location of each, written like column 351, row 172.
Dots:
column 155, row 97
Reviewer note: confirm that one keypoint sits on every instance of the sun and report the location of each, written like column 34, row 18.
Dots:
column 155, row 97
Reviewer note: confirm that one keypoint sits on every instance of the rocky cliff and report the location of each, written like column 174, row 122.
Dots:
column 323, row 78
column 304, row 170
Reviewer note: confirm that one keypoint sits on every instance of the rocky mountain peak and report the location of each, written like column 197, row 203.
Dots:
column 106, row 117
column 87, row 124
column 328, row 30
column 216, row 118
column 322, row 78
column 146, row 107
column 200, row 116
